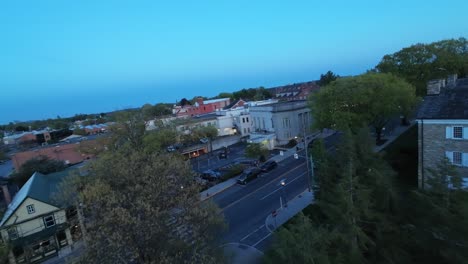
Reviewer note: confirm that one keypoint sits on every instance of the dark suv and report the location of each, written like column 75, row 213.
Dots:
column 248, row 175
column 269, row 165
column 210, row 175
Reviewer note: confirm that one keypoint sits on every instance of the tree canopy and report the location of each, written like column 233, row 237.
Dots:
column 366, row 100
column 41, row 164
column 257, row 151
column 327, row 78
column 420, row 63
column 151, row 111
column 144, row 207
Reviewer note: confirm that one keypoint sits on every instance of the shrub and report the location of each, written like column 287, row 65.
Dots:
column 232, row 172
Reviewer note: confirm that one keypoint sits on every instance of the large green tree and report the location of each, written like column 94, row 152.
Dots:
column 366, row 100
column 144, row 207
column 434, row 217
column 159, row 139
column 420, row 63
column 351, row 217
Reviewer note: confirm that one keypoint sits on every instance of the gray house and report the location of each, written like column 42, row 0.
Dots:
column 443, row 127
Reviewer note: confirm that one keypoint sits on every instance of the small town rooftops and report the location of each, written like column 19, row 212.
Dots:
column 215, row 100
column 451, row 103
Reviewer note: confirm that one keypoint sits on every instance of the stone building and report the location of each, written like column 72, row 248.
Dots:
column 280, row 122
column 443, row 127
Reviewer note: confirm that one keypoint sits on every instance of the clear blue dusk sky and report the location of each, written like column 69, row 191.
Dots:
column 68, row 57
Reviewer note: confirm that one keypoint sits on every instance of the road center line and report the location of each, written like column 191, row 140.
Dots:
column 264, row 186
column 252, row 232
column 283, row 187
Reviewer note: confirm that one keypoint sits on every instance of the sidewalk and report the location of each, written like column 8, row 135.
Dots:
column 218, row 188
column 282, row 215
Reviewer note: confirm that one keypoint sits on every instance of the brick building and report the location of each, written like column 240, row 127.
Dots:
column 200, row 107
column 68, row 153
column 443, row 127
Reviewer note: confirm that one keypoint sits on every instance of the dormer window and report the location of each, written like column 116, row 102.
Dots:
column 31, row 209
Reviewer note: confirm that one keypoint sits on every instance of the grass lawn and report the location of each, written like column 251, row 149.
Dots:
column 402, row 155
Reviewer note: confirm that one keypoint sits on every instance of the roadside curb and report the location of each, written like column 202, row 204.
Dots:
column 207, row 194
column 270, row 221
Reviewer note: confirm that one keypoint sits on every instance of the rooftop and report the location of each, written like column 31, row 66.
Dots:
column 39, row 187
column 215, row 100
column 282, row 106
column 451, row 103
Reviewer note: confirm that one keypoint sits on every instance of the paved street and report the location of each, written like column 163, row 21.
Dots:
column 247, row 207
column 211, row 160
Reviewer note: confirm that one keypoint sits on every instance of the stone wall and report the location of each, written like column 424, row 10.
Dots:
column 432, row 147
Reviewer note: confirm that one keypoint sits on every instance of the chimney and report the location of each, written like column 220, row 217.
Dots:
column 433, row 87
column 6, row 194
column 200, row 100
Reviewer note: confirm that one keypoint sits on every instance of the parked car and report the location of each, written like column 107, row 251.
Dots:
column 210, row 175
column 269, row 165
column 248, row 175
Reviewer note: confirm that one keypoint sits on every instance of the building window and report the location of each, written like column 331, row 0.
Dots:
column 286, row 123
column 30, row 209
column 49, row 221
column 457, row 158
column 243, row 120
column 247, row 119
column 13, row 233
column 457, row 132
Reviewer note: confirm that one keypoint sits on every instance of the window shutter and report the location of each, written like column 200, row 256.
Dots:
column 465, row 159
column 449, row 155
column 448, row 132
column 465, row 133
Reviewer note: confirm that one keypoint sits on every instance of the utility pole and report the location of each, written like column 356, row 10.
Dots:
column 309, row 173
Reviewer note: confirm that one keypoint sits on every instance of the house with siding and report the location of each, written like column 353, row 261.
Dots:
column 36, row 225
column 443, row 127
